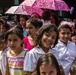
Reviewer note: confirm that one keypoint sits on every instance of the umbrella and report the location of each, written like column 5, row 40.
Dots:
column 49, row 4
column 24, row 10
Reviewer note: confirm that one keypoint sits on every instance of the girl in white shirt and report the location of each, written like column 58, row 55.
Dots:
column 46, row 38
column 66, row 49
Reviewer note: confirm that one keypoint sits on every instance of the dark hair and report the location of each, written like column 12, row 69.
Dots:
column 46, row 28
column 46, row 14
column 2, row 36
column 6, row 26
column 74, row 34
column 73, row 67
column 15, row 30
column 36, row 14
column 55, row 17
column 46, row 59
column 64, row 26
column 24, row 16
column 1, row 21
column 36, row 23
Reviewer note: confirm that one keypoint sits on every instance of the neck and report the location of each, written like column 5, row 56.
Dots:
column 16, row 52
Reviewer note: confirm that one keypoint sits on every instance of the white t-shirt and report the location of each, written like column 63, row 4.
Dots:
column 47, row 22
column 32, row 58
column 67, row 54
column 3, row 60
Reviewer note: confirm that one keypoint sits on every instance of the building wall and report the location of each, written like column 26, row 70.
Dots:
column 6, row 4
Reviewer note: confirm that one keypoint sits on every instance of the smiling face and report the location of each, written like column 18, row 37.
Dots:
column 48, row 69
column 65, row 35
column 48, row 40
column 14, row 42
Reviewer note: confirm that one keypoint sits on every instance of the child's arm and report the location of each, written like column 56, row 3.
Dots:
column 7, row 68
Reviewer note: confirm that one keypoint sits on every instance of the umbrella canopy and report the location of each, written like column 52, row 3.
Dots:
column 49, row 4
column 24, row 10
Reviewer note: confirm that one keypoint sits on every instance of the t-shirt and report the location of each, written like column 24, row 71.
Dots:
column 3, row 60
column 16, row 63
column 27, row 43
column 67, row 54
column 33, row 56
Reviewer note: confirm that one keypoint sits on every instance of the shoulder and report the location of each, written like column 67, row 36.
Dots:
column 25, row 38
column 35, row 51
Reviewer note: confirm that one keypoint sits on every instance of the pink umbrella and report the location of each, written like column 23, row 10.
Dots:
column 49, row 4
column 24, row 10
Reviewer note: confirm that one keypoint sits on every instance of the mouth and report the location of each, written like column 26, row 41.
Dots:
column 12, row 46
column 48, row 43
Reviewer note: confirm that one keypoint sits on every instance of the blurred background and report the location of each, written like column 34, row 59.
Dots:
column 6, row 4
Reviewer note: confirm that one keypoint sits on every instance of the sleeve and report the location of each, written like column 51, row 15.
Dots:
column 29, row 62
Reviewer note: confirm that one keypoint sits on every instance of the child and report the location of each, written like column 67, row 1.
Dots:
column 35, row 16
column 73, row 38
column 23, row 19
column 47, row 65
column 46, row 38
column 3, row 50
column 4, row 28
column 16, row 54
column 73, row 68
column 32, row 27
column 65, row 48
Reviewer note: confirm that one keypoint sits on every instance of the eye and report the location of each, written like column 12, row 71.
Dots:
column 53, row 37
column 63, row 33
column 43, row 73
column 15, row 40
column 9, row 40
column 47, row 34
column 68, row 33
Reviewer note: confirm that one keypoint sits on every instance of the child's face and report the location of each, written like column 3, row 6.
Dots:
column 74, row 39
column 34, row 16
column 48, row 70
column 48, row 39
column 31, row 29
column 14, row 42
column 22, row 21
column 3, row 29
column 65, row 35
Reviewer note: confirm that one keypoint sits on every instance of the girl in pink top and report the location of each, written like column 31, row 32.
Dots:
column 32, row 27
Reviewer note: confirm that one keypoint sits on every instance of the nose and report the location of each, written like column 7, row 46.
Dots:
column 66, row 35
column 50, row 38
column 12, row 42
column 28, row 30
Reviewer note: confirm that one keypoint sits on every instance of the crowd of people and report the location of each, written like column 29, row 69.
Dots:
column 37, row 45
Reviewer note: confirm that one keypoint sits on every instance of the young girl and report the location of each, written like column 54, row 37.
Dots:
column 32, row 27
column 16, row 54
column 47, row 65
column 65, row 48
column 47, row 37
column 3, row 51
column 23, row 19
